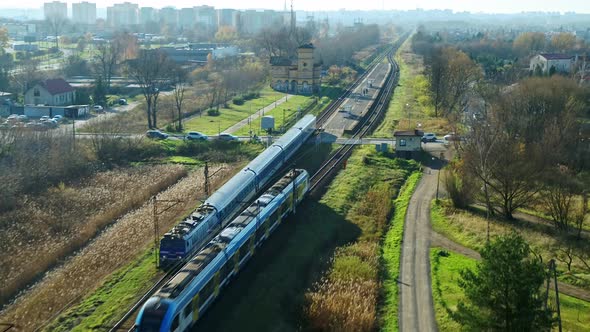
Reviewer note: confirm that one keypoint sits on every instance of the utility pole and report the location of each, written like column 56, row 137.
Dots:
column 73, row 130
column 206, row 180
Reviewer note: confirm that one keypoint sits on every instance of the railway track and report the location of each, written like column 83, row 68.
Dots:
column 327, row 168
column 334, row 105
column 376, row 110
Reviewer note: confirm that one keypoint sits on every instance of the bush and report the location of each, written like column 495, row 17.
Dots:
column 251, row 95
column 212, row 112
column 459, row 186
column 238, row 101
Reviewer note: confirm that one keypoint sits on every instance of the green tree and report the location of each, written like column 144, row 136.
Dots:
column 503, row 292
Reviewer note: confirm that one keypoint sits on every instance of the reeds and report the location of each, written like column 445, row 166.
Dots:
column 115, row 246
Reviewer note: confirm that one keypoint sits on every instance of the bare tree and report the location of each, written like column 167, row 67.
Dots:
column 180, row 81
column 151, row 72
column 105, row 61
column 56, row 25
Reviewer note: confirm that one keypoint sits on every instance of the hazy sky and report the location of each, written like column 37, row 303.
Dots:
column 493, row 6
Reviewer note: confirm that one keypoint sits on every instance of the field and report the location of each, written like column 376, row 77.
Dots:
column 411, row 104
column 113, row 249
column 44, row 229
column 295, row 286
column 447, row 294
column 284, row 111
column 469, row 228
column 212, row 125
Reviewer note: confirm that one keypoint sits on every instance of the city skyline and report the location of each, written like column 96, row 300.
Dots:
column 502, row 6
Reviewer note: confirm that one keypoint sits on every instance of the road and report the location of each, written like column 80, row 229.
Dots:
column 416, row 311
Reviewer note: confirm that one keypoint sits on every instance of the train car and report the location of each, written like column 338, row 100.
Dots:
column 213, row 215
column 180, row 303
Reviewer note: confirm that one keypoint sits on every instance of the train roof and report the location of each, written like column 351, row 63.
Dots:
column 188, row 224
column 182, row 279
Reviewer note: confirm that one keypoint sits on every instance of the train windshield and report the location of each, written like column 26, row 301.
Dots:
column 172, row 244
column 153, row 316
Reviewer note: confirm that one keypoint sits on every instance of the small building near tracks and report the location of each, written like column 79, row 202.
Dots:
column 408, row 143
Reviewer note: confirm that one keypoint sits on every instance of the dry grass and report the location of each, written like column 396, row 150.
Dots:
column 114, row 247
column 45, row 228
column 346, row 299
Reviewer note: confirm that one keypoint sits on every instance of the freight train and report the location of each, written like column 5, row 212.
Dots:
column 214, row 214
column 180, row 302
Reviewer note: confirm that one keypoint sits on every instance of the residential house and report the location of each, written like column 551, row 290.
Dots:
column 561, row 63
column 52, row 92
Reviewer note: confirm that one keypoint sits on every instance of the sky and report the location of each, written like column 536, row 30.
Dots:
column 489, row 6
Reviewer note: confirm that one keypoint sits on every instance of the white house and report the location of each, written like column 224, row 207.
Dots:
column 408, row 143
column 561, row 62
column 52, row 92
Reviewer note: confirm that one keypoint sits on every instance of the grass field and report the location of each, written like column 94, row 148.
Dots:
column 287, row 109
column 110, row 301
column 392, row 247
column 469, row 228
column 212, row 125
column 447, row 294
column 318, row 241
column 411, row 104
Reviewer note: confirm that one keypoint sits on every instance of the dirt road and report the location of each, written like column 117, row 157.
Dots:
column 416, row 311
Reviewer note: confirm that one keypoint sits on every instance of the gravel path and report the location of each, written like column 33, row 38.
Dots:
column 416, row 310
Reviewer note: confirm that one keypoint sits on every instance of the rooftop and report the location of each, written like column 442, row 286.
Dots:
column 556, row 56
column 415, row 132
column 56, row 86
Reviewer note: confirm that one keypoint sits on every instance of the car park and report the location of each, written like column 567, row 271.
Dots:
column 195, row 135
column 429, row 137
column 227, row 137
column 156, row 134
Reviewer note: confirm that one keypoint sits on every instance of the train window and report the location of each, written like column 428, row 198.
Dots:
column 274, row 217
column 175, row 323
column 206, row 292
column 187, row 310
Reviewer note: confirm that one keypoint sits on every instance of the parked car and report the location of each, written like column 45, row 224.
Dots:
column 156, row 134
column 98, row 108
column 122, row 101
column 58, row 118
column 429, row 137
column 227, row 137
column 195, row 135
column 452, row 137
column 23, row 118
column 44, row 118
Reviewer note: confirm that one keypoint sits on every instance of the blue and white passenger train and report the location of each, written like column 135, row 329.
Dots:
column 193, row 232
column 179, row 304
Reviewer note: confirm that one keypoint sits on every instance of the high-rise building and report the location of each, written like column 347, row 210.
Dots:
column 253, row 21
column 123, row 14
column 55, row 9
column 227, row 17
column 169, row 16
column 207, row 17
column 84, row 13
column 187, row 17
column 147, row 15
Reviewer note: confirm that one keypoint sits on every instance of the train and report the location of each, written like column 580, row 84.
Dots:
column 213, row 215
column 183, row 299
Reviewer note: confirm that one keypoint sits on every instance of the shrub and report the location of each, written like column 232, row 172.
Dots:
column 238, row 101
column 212, row 112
